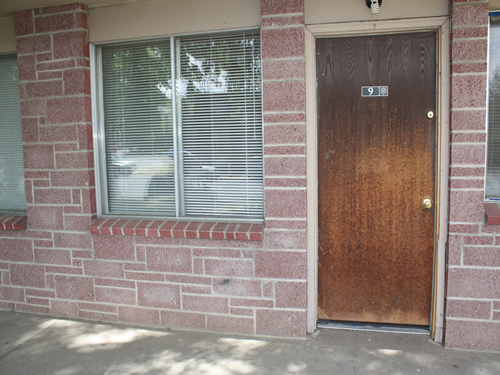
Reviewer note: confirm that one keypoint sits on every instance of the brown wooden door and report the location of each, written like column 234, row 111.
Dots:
column 376, row 165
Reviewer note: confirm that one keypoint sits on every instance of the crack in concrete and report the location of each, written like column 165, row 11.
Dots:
column 28, row 340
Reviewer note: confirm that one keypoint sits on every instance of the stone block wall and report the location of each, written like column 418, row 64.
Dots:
column 222, row 277
column 473, row 273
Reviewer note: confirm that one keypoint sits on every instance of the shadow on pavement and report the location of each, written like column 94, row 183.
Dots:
column 32, row 344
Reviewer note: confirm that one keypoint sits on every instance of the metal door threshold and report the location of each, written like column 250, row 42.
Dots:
column 373, row 327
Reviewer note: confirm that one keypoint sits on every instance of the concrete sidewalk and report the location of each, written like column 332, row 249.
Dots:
column 34, row 344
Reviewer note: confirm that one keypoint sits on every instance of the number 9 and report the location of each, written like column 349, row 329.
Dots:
column 370, row 90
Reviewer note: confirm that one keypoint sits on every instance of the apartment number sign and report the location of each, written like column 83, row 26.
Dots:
column 374, row 91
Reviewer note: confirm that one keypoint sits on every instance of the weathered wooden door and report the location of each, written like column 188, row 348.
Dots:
column 376, row 145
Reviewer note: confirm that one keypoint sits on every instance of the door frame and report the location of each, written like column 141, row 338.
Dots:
column 442, row 26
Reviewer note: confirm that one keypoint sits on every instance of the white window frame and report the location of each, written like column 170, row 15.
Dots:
column 100, row 145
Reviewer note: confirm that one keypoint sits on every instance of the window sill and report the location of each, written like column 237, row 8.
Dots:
column 178, row 229
column 492, row 213
column 13, row 222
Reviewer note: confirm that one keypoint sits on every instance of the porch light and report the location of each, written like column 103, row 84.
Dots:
column 374, row 5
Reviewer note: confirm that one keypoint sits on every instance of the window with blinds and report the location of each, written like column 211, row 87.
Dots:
column 493, row 166
column 181, row 127
column 12, row 198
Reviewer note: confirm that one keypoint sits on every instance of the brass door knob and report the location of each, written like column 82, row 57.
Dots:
column 427, row 203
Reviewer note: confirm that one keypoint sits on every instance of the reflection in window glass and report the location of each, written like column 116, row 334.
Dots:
column 188, row 149
column 138, row 128
column 12, row 198
column 493, row 166
column 221, row 125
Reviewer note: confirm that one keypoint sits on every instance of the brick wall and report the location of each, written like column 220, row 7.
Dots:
column 473, row 277
column 283, row 70
column 53, row 62
column 57, row 266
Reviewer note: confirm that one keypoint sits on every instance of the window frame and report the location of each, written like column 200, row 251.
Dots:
column 98, row 121
column 488, row 147
column 23, row 210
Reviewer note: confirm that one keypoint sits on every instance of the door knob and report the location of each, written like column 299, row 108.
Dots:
column 430, row 115
column 427, row 203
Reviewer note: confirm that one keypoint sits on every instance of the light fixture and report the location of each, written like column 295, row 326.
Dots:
column 374, row 5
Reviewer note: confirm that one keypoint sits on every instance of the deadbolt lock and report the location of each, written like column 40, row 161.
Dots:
column 430, row 115
column 427, row 203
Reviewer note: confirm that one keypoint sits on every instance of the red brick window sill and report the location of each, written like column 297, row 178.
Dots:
column 13, row 222
column 178, row 229
column 492, row 213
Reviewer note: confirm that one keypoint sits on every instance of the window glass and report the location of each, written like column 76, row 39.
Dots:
column 189, row 149
column 12, row 197
column 493, row 166
column 138, row 128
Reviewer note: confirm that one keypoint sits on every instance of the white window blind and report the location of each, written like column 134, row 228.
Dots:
column 12, row 198
column 192, row 149
column 493, row 166
column 138, row 128
column 221, row 125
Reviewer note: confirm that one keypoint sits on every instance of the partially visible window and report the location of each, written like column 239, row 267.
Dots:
column 12, row 198
column 493, row 166
column 180, row 121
